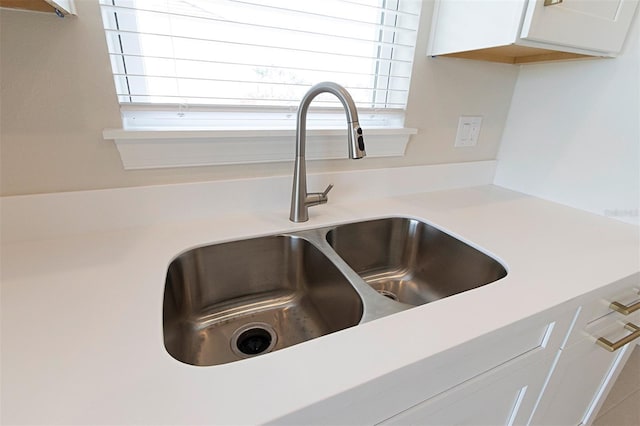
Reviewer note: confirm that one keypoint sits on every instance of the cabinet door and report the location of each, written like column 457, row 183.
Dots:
column 504, row 396
column 594, row 25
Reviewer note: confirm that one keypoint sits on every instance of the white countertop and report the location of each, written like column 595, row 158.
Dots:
column 82, row 335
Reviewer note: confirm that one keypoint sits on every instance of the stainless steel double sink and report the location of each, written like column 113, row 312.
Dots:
column 235, row 300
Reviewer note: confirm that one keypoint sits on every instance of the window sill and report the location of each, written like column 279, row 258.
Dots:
column 145, row 149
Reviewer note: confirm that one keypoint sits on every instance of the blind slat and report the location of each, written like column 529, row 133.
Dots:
column 279, row 83
column 241, row 64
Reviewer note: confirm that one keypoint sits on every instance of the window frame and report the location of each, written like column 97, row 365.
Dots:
column 246, row 134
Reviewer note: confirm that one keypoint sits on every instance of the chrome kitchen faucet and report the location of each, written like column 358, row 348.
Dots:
column 301, row 200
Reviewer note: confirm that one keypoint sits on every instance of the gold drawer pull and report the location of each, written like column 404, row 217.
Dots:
column 620, row 343
column 624, row 309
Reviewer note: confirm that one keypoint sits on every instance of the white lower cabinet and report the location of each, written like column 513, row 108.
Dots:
column 563, row 385
column 585, row 370
column 544, row 370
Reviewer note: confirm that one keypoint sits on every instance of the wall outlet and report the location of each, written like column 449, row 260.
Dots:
column 468, row 131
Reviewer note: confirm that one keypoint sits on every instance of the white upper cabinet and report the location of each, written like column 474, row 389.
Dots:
column 60, row 7
column 599, row 25
column 521, row 31
column 66, row 7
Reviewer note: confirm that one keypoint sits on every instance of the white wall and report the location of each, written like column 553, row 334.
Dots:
column 573, row 134
column 58, row 95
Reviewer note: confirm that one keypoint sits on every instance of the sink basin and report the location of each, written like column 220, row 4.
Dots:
column 230, row 301
column 410, row 261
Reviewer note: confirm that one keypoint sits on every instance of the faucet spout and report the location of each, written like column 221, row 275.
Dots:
column 300, row 199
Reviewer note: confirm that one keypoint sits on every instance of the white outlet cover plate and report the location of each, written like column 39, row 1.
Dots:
column 468, row 131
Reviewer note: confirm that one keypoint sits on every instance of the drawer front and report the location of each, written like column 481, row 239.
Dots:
column 609, row 311
column 612, row 332
column 625, row 302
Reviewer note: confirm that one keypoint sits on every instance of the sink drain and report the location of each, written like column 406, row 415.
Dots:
column 388, row 294
column 253, row 339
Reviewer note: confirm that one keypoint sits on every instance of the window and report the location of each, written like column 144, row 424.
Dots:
column 231, row 64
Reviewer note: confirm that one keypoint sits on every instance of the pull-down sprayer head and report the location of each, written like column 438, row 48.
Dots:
column 356, row 140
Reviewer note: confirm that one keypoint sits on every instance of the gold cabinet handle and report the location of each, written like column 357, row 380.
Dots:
column 624, row 309
column 620, row 343
column 551, row 2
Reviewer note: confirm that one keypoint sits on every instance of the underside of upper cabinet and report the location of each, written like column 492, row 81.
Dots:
column 513, row 54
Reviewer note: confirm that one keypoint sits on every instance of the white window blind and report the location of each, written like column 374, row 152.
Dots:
column 210, row 63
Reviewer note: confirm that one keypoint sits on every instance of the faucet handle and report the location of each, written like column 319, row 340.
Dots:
column 316, row 198
column 326, row 191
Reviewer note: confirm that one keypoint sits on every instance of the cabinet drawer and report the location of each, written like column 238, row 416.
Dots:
column 625, row 298
column 599, row 316
column 612, row 332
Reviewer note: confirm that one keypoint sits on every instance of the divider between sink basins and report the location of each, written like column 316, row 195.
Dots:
column 375, row 305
